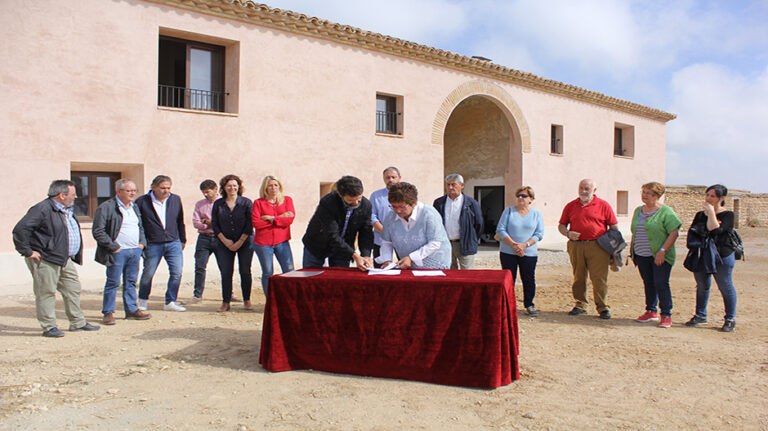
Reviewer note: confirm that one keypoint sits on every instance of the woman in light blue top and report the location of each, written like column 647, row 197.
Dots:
column 520, row 229
column 415, row 231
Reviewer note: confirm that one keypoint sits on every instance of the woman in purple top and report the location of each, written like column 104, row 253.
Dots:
column 231, row 223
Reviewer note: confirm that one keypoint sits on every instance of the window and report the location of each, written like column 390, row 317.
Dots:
column 623, row 140
column 618, row 145
column 622, row 202
column 190, row 75
column 326, row 188
column 557, row 140
column 388, row 109
column 92, row 188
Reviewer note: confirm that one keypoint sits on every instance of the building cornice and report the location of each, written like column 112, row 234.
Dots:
column 263, row 15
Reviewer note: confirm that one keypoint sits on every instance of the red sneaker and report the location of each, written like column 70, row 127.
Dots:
column 648, row 316
column 666, row 322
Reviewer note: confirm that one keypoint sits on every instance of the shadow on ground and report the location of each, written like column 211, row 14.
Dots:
column 235, row 349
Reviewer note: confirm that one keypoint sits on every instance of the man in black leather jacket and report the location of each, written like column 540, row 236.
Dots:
column 49, row 238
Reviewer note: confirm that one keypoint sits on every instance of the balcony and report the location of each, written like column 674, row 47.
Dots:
column 386, row 122
column 190, row 98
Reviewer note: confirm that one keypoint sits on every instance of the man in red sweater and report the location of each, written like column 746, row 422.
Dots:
column 583, row 221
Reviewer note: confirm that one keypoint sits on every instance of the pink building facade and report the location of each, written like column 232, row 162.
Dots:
column 98, row 90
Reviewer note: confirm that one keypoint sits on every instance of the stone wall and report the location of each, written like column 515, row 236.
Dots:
column 750, row 208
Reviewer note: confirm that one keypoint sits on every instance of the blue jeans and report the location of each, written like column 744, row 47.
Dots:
column 265, row 254
column 206, row 245
column 126, row 266
column 724, row 283
column 226, row 260
column 656, row 282
column 527, row 265
column 172, row 252
column 312, row 260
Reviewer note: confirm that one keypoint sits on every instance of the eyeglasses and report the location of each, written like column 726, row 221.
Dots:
column 522, row 195
column 398, row 207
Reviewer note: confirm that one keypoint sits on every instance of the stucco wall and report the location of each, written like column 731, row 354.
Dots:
column 79, row 83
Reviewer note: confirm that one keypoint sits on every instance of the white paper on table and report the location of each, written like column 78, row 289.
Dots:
column 428, row 273
column 382, row 271
column 386, row 270
column 301, row 273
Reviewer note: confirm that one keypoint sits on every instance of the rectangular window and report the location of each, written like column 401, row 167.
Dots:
column 92, row 188
column 622, row 202
column 388, row 114
column 618, row 146
column 326, row 188
column 623, row 140
column 556, row 139
column 191, row 75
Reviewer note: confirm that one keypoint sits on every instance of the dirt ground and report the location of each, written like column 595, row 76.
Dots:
column 199, row 369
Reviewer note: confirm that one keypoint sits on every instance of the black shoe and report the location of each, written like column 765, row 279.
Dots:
column 53, row 333
column 531, row 311
column 605, row 314
column 728, row 326
column 696, row 321
column 577, row 311
column 86, row 327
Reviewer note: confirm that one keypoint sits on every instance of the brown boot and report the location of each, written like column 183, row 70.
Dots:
column 109, row 319
column 138, row 315
column 192, row 300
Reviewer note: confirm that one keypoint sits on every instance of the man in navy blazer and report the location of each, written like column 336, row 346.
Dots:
column 463, row 222
column 163, row 218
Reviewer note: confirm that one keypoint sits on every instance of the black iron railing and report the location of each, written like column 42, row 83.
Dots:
column 386, row 122
column 190, row 98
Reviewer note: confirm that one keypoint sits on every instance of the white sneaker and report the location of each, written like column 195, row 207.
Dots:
column 172, row 306
column 142, row 304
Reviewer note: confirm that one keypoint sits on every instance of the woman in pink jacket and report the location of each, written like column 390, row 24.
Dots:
column 273, row 214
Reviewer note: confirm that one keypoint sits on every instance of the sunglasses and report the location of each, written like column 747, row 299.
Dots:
column 522, row 195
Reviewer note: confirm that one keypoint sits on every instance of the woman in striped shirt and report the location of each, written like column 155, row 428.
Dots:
column 655, row 228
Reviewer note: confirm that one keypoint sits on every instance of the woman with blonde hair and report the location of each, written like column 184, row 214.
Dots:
column 272, row 216
column 520, row 229
column 655, row 228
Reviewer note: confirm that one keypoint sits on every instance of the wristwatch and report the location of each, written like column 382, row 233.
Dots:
column 663, row 249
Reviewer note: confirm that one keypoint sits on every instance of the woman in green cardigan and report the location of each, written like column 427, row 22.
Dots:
column 655, row 228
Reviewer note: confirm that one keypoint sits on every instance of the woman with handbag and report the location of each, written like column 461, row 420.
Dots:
column 718, row 223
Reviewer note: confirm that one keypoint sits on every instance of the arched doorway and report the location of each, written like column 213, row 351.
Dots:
column 483, row 141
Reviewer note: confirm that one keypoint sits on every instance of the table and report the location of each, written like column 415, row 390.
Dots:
column 460, row 329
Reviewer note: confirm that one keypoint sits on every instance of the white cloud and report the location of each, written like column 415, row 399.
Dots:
column 720, row 129
column 590, row 34
column 623, row 42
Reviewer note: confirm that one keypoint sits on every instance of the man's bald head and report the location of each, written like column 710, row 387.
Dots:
column 587, row 190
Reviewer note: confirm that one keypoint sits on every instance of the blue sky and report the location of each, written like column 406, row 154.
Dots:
column 706, row 61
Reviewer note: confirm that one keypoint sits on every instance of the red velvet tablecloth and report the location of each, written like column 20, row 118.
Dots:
column 460, row 329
